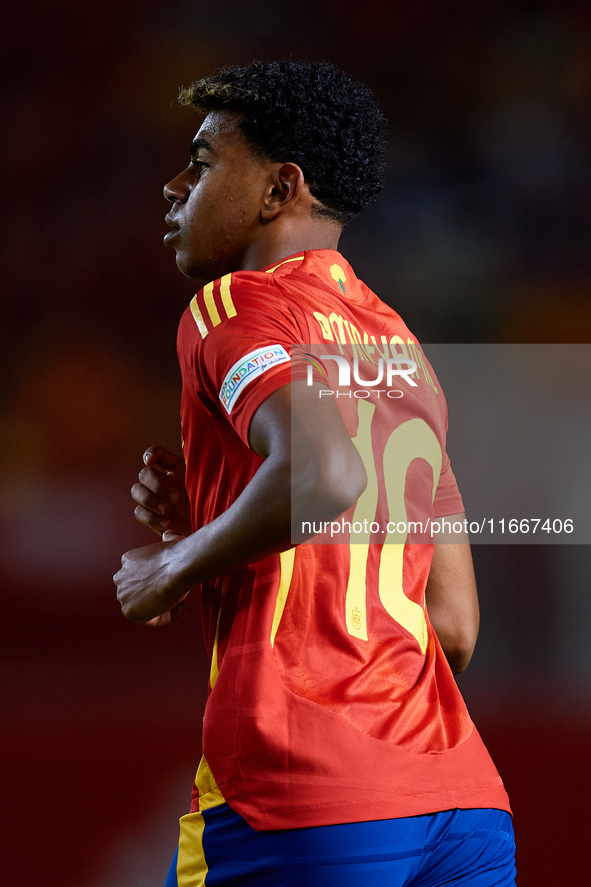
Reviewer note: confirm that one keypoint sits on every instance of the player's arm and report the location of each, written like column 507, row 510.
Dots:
column 317, row 481
column 452, row 601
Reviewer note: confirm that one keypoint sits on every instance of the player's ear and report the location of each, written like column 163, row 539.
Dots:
column 284, row 190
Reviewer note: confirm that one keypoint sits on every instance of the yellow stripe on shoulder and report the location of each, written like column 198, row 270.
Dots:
column 226, row 295
column 210, row 304
column 284, row 262
column 198, row 317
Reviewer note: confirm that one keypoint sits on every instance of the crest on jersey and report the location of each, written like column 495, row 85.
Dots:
column 356, row 619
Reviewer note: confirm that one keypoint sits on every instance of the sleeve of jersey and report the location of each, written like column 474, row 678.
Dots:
column 447, row 496
column 247, row 333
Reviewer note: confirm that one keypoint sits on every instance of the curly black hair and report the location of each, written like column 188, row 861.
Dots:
column 309, row 113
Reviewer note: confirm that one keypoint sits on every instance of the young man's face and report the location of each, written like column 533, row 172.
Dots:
column 216, row 201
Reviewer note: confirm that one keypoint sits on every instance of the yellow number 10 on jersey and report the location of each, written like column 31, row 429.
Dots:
column 413, row 439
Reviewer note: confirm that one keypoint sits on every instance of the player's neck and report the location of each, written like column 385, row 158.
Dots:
column 289, row 240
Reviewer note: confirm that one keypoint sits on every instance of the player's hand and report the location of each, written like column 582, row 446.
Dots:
column 162, row 503
column 147, row 588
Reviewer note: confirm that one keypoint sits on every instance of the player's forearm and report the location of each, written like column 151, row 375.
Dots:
column 316, row 480
column 259, row 523
column 452, row 602
column 457, row 645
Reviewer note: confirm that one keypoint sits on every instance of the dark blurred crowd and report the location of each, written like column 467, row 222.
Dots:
column 482, row 234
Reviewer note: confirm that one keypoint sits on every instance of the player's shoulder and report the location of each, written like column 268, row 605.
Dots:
column 239, row 298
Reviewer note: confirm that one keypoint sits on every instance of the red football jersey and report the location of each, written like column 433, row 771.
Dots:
column 331, row 699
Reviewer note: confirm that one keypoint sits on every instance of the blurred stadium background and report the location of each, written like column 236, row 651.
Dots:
column 482, row 235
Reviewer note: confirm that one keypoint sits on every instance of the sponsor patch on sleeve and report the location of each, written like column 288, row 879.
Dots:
column 248, row 368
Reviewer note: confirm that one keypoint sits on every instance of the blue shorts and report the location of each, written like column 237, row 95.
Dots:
column 471, row 848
